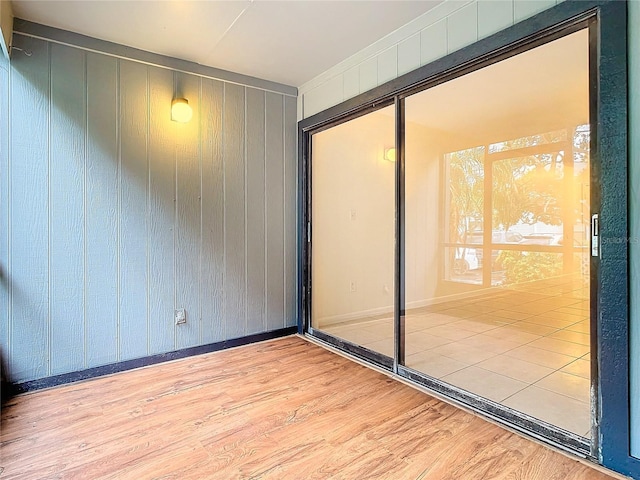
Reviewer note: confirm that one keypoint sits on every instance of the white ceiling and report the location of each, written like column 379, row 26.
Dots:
column 283, row 41
column 543, row 89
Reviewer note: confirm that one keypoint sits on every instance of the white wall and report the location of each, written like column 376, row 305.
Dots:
column 448, row 27
column 353, row 218
column 423, row 212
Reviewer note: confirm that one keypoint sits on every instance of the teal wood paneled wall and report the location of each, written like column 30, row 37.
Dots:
column 112, row 215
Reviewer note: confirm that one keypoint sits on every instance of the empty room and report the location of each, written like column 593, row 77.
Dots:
column 255, row 239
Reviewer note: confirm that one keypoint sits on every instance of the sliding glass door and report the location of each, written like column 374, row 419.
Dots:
column 352, row 236
column 497, row 232
column 450, row 232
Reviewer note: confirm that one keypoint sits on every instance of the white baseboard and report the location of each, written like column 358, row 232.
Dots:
column 346, row 317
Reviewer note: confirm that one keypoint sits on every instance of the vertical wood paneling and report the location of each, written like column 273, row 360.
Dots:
column 368, row 75
column 290, row 220
column 387, row 65
column 409, row 54
column 433, row 42
column 67, row 181
column 102, row 210
column 327, row 94
column 351, row 82
column 493, row 16
column 234, row 210
column 4, row 213
column 162, row 186
column 212, row 268
column 527, row 8
column 112, row 215
column 274, row 146
column 462, row 27
column 133, row 210
column 188, row 213
column 29, row 214
column 255, row 211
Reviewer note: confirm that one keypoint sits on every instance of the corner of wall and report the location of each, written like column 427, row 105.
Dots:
column 116, row 215
column 6, row 26
column 450, row 26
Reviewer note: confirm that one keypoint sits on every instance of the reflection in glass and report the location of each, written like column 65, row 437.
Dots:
column 353, row 237
column 497, row 214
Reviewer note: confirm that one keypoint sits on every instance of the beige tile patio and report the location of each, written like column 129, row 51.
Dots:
column 540, row 357
column 464, row 353
column 553, row 408
column 485, row 383
column 579, row 367
column 434, row 365
column 567, row 384
column 560, row 346
column 517, row 369
column 570, row 336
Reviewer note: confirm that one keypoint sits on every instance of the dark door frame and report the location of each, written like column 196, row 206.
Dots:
column 610, row 307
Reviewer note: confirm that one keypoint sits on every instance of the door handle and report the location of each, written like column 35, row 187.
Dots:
column 595, row 235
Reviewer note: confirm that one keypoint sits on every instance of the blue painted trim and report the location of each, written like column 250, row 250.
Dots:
column 73, row 39
column 613, row 310
column 53, row 381
column 633, row 31
column 302, row 219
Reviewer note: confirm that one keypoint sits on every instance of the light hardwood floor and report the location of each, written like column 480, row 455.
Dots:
column 284, row 409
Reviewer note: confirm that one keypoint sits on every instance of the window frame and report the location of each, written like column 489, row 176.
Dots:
column 608, row 79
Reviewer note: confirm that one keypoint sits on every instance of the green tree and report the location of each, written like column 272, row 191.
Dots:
column 466, row 190
column 525, row 189
column 522, row 267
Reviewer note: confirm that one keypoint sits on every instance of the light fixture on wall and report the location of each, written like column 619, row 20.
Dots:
column 390, row 154
column 180, row 110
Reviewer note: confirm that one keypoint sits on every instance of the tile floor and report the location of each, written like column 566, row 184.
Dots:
column 526, row 347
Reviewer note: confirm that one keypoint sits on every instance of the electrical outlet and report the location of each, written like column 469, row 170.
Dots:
column 352, row 286
column 180, row 316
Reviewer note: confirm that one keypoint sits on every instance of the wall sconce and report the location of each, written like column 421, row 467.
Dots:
column 180, row 110
column 390, row 154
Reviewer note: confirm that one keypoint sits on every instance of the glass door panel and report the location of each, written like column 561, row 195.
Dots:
column 497, row 215
column 353, row 235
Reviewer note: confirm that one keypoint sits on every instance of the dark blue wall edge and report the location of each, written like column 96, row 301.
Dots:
column 9, row 390
column 36, row 30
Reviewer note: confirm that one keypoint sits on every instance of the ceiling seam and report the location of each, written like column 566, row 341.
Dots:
column 230, row 27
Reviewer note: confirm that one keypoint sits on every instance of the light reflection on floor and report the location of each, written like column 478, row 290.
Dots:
column 526, row 347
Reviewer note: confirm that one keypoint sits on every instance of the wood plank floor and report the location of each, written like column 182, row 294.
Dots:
column 284, row 409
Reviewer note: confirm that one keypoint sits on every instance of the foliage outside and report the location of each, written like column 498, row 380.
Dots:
column 522, row 267
column 525, row 190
